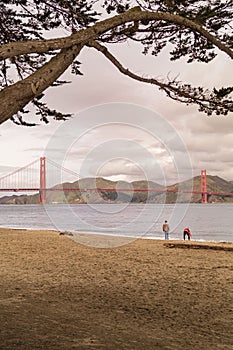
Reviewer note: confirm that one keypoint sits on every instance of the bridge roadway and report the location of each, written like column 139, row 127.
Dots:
column 34, row 189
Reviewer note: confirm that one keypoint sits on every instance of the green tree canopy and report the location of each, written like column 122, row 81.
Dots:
column 31, row 61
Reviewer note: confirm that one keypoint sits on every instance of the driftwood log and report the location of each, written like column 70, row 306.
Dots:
column 224, row 246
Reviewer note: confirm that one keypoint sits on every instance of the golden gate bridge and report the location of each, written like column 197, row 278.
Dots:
column 24, row 180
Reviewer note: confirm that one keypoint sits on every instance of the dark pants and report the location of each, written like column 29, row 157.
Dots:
column 188, row 234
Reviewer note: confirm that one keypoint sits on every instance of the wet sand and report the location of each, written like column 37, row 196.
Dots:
column 56, row 293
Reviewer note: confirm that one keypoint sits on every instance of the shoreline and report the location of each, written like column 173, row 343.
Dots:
column 111, row 221
column 90, row 238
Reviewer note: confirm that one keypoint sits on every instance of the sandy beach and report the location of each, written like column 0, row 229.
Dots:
column 57, row 294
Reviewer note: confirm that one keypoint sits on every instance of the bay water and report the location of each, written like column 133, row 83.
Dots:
column 208, row 222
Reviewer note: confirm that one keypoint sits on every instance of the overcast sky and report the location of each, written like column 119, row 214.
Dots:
column 124, row 148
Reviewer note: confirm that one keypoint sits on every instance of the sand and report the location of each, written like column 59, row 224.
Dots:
column 58, row 294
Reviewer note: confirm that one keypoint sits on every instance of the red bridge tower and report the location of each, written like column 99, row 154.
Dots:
column 203, row 187
column 42, row 180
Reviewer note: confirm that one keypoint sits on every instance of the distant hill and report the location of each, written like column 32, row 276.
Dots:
column 100, row 190
column 214, row 184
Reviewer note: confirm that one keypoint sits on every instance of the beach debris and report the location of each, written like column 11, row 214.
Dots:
column 199, row 246
column 66, row 233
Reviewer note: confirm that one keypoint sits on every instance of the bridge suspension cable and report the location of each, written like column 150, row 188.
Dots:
column 61, row 167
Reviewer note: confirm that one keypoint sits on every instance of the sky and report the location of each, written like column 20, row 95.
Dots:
column 125, row 130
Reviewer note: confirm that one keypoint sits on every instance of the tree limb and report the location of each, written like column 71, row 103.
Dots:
column 13, row 98
column 83, row 36
column 207, row 100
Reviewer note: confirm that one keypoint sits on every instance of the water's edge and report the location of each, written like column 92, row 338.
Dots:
column 212, row 223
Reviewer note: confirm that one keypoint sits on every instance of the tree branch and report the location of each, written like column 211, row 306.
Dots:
column 208, row 101
column 13, row 98
column 83, row 36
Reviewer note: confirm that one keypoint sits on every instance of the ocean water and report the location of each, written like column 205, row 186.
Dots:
column 208, row 222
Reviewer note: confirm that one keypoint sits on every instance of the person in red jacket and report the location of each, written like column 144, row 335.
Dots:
column 187, row 233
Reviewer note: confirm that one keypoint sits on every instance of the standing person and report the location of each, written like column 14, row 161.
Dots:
column 187, row 233
column 166, row 229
